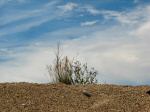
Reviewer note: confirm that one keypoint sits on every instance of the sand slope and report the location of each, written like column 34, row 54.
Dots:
column 25, row 97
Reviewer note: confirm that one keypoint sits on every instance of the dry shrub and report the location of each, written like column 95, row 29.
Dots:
column 69, row 71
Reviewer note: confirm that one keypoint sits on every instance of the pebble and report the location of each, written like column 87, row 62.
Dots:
column 86, row 93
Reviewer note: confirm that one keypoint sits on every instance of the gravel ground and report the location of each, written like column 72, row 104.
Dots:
column 27, row 97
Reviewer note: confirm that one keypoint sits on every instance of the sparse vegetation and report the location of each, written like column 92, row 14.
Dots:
column 70, row 71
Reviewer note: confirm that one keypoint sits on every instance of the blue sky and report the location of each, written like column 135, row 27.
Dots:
column 111, row 35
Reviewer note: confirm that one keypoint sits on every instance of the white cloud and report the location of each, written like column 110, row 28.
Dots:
column 143, row 31
column 120, row 56
column 29, row 67
column 68, row 7
column 108, row 14
column 123, row 17
column 118, row 60
column 89, row 23
column 39, row 16
column 116, row 15
column 20, row 16
column 91, row 10
column 23, row 14
column 25, row 26
column 131, row 17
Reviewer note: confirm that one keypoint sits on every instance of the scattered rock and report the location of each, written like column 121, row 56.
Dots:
column 148, row 92
column 86, row 93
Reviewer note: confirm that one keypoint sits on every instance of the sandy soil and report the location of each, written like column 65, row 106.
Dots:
column 25, row 97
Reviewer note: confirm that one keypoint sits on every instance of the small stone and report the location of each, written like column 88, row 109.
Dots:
column 23, row 104
column 86, row 93
column 148, row 92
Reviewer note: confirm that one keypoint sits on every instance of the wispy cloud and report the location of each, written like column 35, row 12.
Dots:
column 117, row 57
column 120, row 53
column 92, row 10
column 68, row 7
column 38, row 16
column 25, row 26
column 89, row 23
column 123, row 17
column 30, row 69
column 143, row 31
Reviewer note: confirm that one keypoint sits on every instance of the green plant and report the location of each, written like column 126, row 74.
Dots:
column 82, row 74
column 70, row 71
